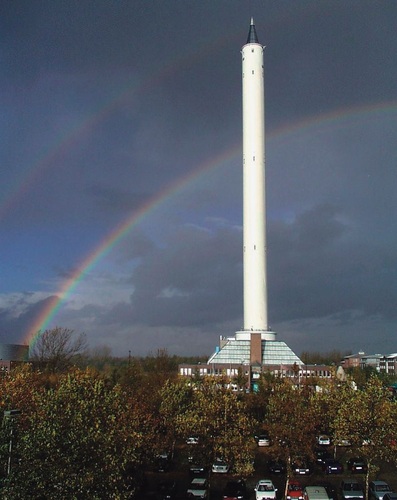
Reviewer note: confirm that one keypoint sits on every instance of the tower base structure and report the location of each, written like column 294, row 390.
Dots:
column 254, row 349
column 251, row 353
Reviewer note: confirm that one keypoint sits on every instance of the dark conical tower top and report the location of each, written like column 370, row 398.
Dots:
column 252, row 36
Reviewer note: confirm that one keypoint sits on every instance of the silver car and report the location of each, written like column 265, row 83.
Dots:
column 377, row 489
column 220, row 467
column 351, row 489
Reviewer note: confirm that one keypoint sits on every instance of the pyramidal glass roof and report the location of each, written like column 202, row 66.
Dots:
column 274, row 352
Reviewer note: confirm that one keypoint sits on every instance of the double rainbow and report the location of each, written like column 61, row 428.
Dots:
column 335, row 120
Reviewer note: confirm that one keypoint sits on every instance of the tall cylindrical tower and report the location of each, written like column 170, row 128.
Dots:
column 255, row 344
column 254, row 209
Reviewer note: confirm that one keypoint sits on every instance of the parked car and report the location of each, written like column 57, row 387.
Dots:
column 321, row 455
column 390, row 496
column 342, row 442
column 357, row 465
column 198, row 470
column 302, row 467
column 263, row 439
column 330, row 489
column 198, row 488
column 315, row 493
column 167, row 490
column 165, row 455
column 332, row 466
column 265, row 489
column 377, row 489
column 220, row 467
column 192, row 440
column 351, row 489
column 276, row 466
column 323, row 440
column 294, row 490
column 235, row 490
column 163, row 465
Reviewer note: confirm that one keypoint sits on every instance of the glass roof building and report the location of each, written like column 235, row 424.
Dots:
column 233, row 350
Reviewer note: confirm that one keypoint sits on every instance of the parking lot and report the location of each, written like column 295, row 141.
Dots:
column 179, row 472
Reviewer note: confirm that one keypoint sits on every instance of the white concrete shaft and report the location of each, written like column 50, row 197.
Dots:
column 254, row 216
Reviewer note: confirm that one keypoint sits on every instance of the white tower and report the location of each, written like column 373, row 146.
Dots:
column 254, row 199
column 255, row 344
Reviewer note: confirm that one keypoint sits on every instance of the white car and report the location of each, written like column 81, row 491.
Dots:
column 263, row 440
column 198, row 488
column 323, row 440
column 342, row 442
column 265, row 489
column 220, row 467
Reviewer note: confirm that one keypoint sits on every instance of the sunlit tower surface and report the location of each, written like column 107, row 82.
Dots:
column 255, row 343
column 254, row 190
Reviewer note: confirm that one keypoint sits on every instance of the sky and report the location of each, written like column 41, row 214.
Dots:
column 121, row 176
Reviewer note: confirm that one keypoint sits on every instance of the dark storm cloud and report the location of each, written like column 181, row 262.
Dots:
column 108, row 198
column 315, row 269
column 19, row 317
column 195, row 280
column 65, row 36
column 337, row 48
column 109, row 105
column 318, row 269
column 136, row 245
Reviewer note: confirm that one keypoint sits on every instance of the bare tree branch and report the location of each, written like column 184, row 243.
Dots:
column 58, row 348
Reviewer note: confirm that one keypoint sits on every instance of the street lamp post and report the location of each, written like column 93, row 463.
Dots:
column 10, row 415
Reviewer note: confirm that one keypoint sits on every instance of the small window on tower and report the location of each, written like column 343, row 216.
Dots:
column 253, row 72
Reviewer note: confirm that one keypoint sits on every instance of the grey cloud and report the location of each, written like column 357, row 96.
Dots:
column 12, row 324
column 192, row 281
column 317, row 269
column 118, row 200
column 106, row 107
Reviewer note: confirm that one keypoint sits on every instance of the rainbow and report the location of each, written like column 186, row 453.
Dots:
column 63, row 142
column 54, row 303
column 338, row 118
column 59, row 146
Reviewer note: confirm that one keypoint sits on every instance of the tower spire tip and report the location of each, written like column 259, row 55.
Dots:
column 252, row 36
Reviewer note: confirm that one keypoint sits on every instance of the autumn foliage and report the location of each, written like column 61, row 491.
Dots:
column 90, row 433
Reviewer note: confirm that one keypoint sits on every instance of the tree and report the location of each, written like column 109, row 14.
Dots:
column 241, row 380
column 175, row 400
column 217, row 416
column 58, row 348
column 326, row 402
column 291, row 422
column 257, row 400
column 367, row 418
column 320, row 358
column 16, row 393
column 80, row 440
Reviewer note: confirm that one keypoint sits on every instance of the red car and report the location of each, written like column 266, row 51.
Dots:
column 294, row 490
